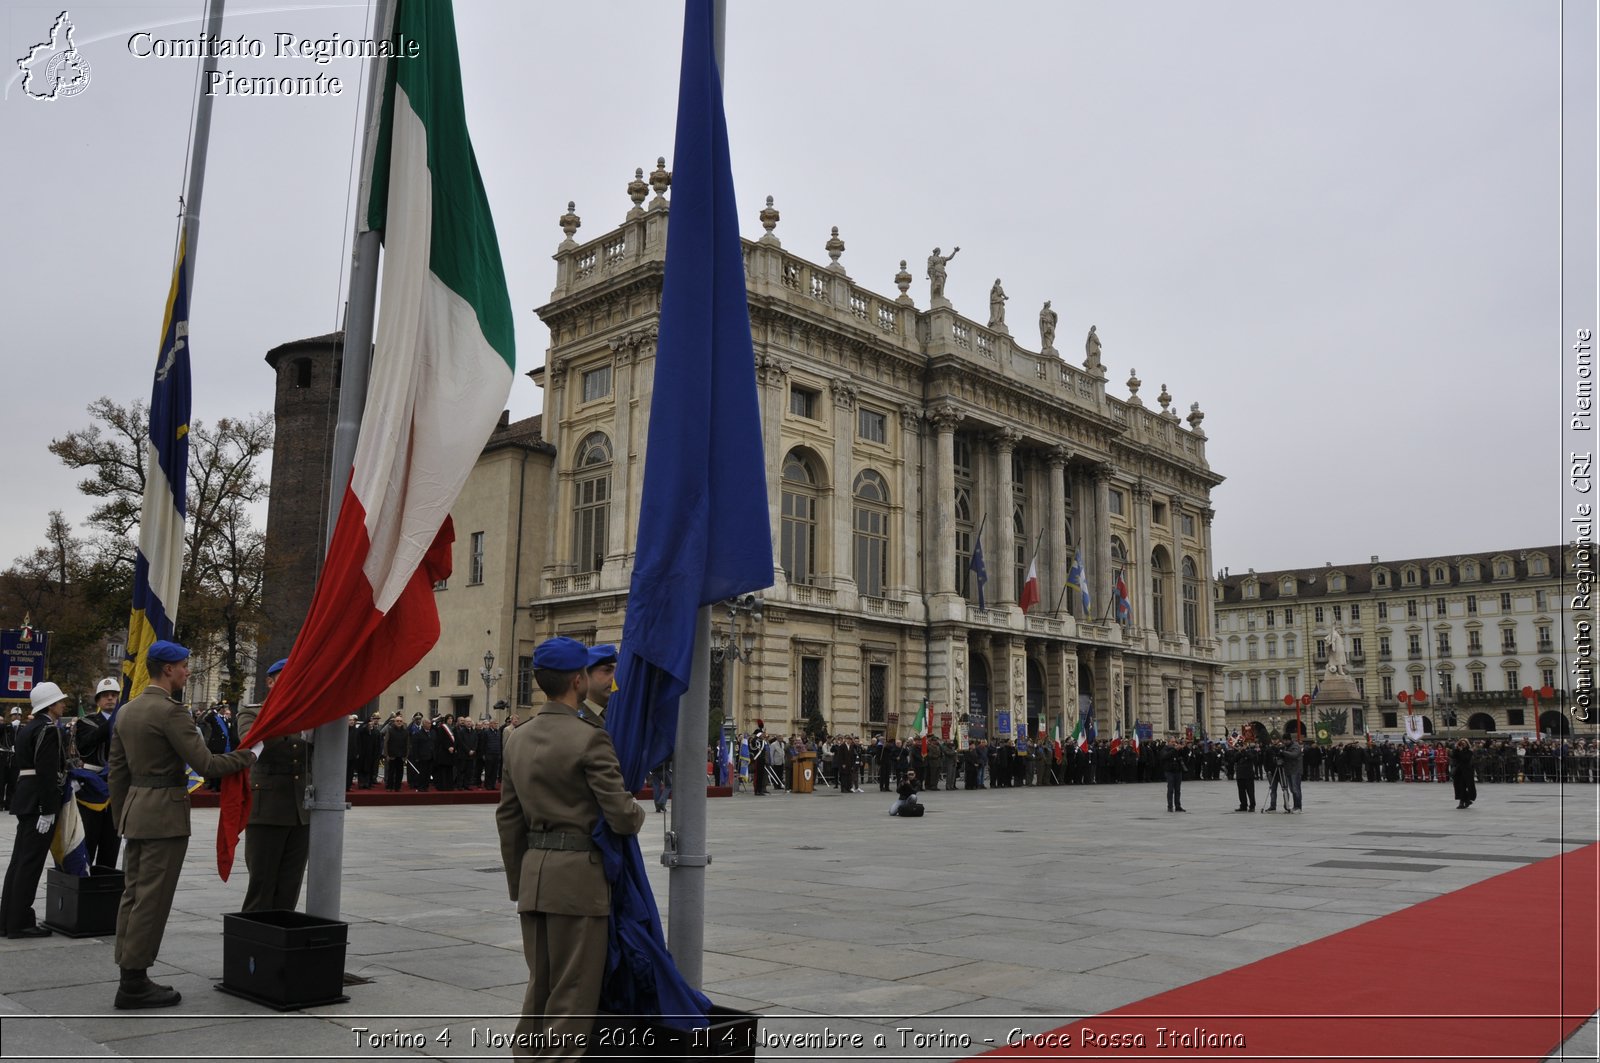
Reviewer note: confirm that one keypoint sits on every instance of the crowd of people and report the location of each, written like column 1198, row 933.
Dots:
column 764, row 763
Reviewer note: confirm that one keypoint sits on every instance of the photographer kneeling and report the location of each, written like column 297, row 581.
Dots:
column 908, row 804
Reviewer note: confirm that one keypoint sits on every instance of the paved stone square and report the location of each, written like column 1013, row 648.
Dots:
column 999, row 909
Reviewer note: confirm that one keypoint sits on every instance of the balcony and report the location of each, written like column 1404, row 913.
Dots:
column 1508, row 651
column 889, row 607
column 1474, row 651
column 1546, row 646
column 1385, row 655
column 1442, row 653
column 1413, row 655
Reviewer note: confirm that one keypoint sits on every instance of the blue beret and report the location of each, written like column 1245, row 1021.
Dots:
column 164, row 652
column 561, row 654
column 277, row 666
column 601, row 653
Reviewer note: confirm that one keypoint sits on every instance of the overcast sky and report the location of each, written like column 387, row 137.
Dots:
column 1335, row 226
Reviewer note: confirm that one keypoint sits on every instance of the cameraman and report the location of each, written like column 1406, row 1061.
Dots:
column 1293, row 756
column 907, row 805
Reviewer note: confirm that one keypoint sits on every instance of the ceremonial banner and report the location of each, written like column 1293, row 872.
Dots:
column 22, row 656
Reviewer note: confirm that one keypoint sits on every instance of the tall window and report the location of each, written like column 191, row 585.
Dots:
column 1508, row 640
column 1191, row 599
column 1477, row 682
column 877, row 694
column 592, row 488
column 1019, row 550
column 1160, row 577
column 525, row 679
column 803, row 402
column 810, row 685
column 1512, row 680
column 871, row 533
column 799, row 546
column 965, row 526
column 1388, row 688
column 475, row 562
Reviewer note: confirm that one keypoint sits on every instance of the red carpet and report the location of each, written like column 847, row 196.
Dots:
column 1504, row 970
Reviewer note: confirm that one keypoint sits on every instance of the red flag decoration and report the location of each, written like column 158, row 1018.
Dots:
column 441, row 373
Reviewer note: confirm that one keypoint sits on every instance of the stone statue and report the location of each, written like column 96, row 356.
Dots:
column 1047, row 327
column 997, row 305
column 1091, row 348
column 1338, row 663
column 936, row 272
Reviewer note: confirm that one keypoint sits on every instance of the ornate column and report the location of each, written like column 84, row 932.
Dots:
column 560, row 494
column 1056, row 534
column 904, row 553
column 1208, row 590
column 1104, row 577
column 1141, row 549
column 1002, row 576
column 625, row 351
column 773, row 373
column 945, row 417
column 844, row 434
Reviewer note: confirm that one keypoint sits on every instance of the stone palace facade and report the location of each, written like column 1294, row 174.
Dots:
column 897, row 439
column 1470, row 631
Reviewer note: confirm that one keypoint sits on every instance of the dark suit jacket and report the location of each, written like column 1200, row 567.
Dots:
column 560, row 775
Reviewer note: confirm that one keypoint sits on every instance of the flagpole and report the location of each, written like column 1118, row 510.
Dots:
column 199, row 145
column 686, row 876
column 324, row 872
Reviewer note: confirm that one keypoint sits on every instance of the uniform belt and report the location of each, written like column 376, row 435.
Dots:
column 572, row 843
column 157, row 782
column 25, row 771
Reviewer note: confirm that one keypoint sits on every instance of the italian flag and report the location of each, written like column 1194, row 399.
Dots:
column 1030, row 586
column 919, row 726
column 441, row 373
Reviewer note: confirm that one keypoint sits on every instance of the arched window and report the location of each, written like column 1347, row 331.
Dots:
column 871, row 533
column 1191, row 598
column 799, row 547
column 591, row 502
column 1160, row 580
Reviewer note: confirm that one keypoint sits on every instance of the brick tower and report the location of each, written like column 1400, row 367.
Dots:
column 305, row 410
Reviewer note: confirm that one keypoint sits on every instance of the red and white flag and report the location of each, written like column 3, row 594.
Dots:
column 1030, row 586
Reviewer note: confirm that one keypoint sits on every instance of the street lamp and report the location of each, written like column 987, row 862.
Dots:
column 736, row 642
column 491, row 675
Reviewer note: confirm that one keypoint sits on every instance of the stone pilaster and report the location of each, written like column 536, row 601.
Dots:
column 1002, row 578
column 1060, row 551
column 909, row 502
column 945, row 418
column 1104, row 577
column 1143, row 609
column 843, row 546
column 773, row 374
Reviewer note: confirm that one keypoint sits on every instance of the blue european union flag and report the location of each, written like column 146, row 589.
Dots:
column 704, row 532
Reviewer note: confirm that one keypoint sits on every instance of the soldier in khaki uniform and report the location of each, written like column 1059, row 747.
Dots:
column 277, row 841
column 154, row 738
column 561, row 776
column 602, row 672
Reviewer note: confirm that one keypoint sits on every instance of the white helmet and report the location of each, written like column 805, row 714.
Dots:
column 44, row 695
column 114, row 686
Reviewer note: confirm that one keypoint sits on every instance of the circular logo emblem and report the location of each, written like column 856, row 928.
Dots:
column 67, row 74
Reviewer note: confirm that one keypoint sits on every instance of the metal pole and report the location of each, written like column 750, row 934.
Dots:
column 324, row 874
column 686, row 893
column 198, row 147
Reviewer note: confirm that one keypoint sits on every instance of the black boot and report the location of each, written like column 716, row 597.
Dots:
column 137, row 991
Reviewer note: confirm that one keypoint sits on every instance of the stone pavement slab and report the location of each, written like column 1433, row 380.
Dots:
column 1000, row 909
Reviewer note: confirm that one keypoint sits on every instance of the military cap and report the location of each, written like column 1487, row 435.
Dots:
column 165, row 652
column 602, row 653
column 561, row 654
column 108, row 685
column 277, row 666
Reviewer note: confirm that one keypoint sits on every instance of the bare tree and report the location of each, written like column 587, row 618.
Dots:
column 220, row 590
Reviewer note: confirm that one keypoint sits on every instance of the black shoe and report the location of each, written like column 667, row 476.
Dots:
column 137, row 991
column 1183, row 810
column 31, row 932
column 1241, row 808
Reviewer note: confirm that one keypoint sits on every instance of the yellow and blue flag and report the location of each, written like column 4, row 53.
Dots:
column 158, row 567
